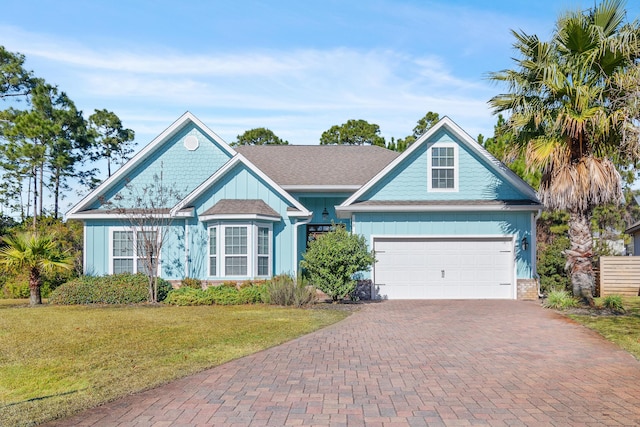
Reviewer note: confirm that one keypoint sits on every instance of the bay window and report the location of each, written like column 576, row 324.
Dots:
column 240, row 250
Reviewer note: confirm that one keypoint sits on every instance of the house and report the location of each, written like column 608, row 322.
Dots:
column 445, row 218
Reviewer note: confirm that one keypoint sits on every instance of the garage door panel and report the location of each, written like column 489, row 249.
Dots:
column 444, row 268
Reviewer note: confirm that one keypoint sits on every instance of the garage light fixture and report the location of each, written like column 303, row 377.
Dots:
column 325, row 214
column 524, row 243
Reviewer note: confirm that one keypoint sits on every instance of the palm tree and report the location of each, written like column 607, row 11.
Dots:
column 35, row 254
column 574, row 114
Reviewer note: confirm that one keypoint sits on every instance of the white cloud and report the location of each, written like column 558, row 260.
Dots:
column 302, row 92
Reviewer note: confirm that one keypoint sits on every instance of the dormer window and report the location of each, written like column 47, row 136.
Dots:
column 443, row 167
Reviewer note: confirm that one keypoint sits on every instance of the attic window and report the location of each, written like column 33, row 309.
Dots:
column 191, row 143
column 443, row 167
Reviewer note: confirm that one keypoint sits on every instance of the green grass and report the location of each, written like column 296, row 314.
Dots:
column 623, row 330
column 57, row 360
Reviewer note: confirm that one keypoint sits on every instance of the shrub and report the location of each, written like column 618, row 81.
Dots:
column 560, row 299
column 224, row 294
column 125, row 288
column 190, row 282
column 551, row 263
column 221, row 295
column 188, row 296
column 284, row 290
column 253, row 294
column 334, row 258
column 613, row 303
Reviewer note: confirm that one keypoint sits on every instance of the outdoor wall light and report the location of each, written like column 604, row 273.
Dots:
column 325, row 214
column 525, row 243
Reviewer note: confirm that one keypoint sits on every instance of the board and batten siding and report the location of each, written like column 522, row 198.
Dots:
column 452, row 224
column 619, row 275
column 240, row 183
column 409, row 181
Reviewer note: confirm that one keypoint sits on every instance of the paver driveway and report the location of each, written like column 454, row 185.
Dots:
column 413, row 363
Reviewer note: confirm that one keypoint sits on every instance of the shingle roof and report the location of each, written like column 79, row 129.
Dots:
column 318, row 164
column 235, row 207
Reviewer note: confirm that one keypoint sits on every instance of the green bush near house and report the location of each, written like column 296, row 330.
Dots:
column 125, row 288
column 286, row 291
column 224, row 294
column 190, row 282
column 333, row 259
column 613, row 303
column 560, row 300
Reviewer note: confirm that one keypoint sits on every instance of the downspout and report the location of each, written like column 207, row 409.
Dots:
column 295, row 243
column 534, row 251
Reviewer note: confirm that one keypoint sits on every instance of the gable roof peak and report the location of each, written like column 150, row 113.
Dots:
column 179, row 124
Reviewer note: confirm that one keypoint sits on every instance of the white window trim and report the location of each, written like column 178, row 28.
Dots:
column 456, row 168
column 252, row 249
column 135, row 248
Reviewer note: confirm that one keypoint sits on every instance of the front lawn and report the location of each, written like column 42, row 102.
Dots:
column 57, row 360
column 623, row 330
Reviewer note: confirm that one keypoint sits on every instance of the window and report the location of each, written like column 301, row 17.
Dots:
column 263, row 251
column 213, row 251
column 235, row 249
column 123, row 257
column 122, row 252
column 443, row 174
column 239, row 250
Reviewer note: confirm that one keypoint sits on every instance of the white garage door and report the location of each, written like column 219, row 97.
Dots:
column 443, row 268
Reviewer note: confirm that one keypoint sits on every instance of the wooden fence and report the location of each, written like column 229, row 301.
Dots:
column 619, row 275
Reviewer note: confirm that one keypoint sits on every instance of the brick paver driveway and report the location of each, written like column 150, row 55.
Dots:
column 412, row 363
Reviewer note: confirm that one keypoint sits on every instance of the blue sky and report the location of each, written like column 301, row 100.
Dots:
column 296, row 67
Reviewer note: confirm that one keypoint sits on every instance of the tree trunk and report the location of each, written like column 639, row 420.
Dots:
column 35, row 198
column 34, row 287
column 41, row 189
column 580, row 257
column 56, row 193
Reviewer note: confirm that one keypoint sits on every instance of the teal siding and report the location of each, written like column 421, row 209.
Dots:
column 242, row 183
column 316, row 203
column 97, row 256
column 182, row 170
column 518, row 224
column 477, row 181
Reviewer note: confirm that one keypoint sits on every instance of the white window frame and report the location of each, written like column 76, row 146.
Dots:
column 252, row 255
column 455, row 167
column 134, row 242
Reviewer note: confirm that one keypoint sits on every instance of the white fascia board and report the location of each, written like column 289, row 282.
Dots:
column 346, row 210
column 105, row 215
column 253, row 217
column 298, row 214
column 322, row 188
column 169, row 132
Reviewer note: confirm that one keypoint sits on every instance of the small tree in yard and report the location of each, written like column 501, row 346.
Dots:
column 149, row 224
column 333, row 258
column 34, row 254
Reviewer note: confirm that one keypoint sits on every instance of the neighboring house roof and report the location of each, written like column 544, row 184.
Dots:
column 464, row 138
column 240, row 207
column 319, row 167
column 634, row 228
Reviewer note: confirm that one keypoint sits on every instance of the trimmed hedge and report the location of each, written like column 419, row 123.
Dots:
column 225, row 294
column 125, row 288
